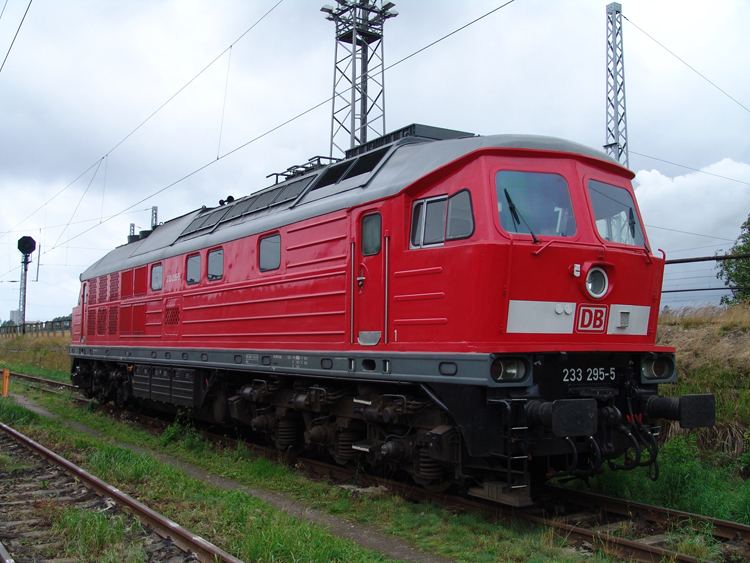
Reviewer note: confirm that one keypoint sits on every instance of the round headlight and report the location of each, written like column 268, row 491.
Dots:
column 508, row 369
column 597, row 282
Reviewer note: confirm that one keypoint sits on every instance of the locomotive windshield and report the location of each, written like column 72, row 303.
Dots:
column 536, row 201
column 614, row 211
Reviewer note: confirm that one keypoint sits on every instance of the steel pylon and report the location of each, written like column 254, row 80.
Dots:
column 617, row 125
column 358, row 104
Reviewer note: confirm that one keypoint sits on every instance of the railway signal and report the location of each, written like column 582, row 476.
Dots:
column 27, row 246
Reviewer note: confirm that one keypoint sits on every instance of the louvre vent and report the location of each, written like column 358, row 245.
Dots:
column 101, row 321
column 91, row 323
column 102, row 289
column 172, row 316
column 113, row 320
column 114, row 286
column 92, row 292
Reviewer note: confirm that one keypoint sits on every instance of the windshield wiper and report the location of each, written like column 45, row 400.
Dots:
column 632, row 223
column 517, row 217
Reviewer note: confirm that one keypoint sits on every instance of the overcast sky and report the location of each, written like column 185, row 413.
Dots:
column 82, row 75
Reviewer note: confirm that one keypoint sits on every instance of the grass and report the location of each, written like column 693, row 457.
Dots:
column 252, row 530
column 688, row 481
column 712, row 347
column 9, row 465
column 93, row 536
column 43, row 356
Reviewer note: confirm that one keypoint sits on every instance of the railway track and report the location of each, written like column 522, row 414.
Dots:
column 628, row 530
column 638, row 531
column 43, row 479
column 42, row 381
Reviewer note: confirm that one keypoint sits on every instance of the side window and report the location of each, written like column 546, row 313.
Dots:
column 371, row 234
column 156, row 280
column 434, row 222
column 439, row 219
column 428, row 221
column 460, row 216
column 215, row 264
column 416, row 224
column 269, row 256
column 193, row 269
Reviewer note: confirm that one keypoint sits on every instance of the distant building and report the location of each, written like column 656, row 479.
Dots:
column 15, row 316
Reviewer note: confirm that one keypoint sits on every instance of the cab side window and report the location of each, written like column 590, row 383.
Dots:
column 156, row 277
column 437, row 219
column 269, row 254
column 371, row 234
column 216, row 264
column 193, row 269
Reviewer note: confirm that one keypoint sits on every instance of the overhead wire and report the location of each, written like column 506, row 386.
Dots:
column 688, row 233
column 224, row 106
column 220, row 156
column 687, row 65
column 80, row 201
column 16, row 35
column 283, row 124
column 690, row 168
column 150, row 116
column 674, row 163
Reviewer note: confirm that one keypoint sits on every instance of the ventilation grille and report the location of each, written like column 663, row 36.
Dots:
column 101, row 321
column 102, row 289
column 113, row 320
column 114, row 287
column 172, row 316
column 91, row 323
column 92, row 292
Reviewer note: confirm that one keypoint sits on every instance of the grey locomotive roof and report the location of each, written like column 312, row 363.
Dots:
column 403, row 163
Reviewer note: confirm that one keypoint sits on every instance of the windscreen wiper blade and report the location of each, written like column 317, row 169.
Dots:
column 632, row 224
column 517, row 217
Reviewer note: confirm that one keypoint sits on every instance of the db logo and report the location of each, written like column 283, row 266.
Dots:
column 592, row 318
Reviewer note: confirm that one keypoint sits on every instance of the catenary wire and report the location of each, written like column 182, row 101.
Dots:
column 149, row 117
column 277, row 127
column 15, row 36
column 693, row 169
column 687, row 65
column 688, row 233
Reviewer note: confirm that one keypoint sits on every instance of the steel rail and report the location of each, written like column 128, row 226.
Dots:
column 206, row 551
column 630, row 550
column 720, row 528
column 5, row 556
column 44, row 381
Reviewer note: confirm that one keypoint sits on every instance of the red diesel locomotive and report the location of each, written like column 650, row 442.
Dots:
column 479, row 310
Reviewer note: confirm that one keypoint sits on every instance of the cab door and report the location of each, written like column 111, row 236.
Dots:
column 84, row 312
column 369, row 258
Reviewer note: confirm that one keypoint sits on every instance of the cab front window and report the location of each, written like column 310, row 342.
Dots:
column 534, row 203
column 614, row 213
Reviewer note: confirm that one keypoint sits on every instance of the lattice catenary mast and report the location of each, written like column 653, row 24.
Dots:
column 617, row 125
column 358, row 75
